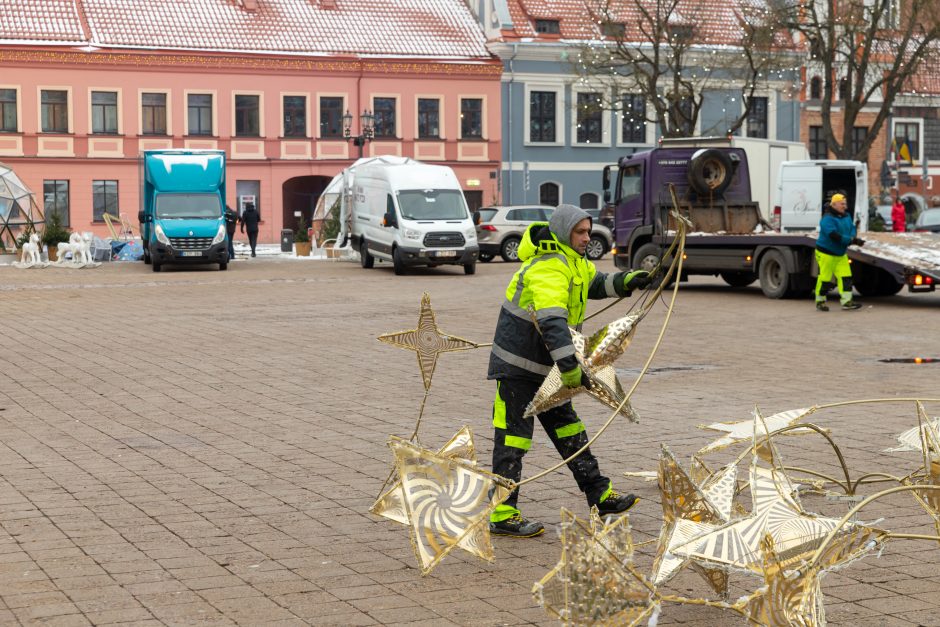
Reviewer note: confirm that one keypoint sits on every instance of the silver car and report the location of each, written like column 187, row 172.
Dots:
column 500, row 230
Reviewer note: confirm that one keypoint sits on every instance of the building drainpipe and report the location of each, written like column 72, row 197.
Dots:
column 512, row 78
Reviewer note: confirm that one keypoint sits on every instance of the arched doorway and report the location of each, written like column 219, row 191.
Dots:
column 301, row 194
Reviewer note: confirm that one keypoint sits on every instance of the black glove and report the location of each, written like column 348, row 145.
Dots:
column 858, row 241
column 586, row 381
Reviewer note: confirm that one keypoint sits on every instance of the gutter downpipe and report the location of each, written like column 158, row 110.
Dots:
column 512, row 78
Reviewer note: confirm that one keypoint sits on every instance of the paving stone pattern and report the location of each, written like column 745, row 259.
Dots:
column 202, row 447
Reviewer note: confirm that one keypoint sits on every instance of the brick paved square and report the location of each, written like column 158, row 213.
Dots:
column 211, row 455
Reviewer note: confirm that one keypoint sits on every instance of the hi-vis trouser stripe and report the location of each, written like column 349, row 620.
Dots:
column 499, row 421
column 569, row 430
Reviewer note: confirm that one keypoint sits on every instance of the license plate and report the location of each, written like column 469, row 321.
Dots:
column 445, row 253
column 191, row 253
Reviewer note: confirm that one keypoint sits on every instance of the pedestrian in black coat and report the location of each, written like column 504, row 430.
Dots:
column 231, row 222
column 250, row 220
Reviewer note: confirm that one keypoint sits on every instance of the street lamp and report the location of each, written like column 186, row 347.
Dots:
column 366, row 128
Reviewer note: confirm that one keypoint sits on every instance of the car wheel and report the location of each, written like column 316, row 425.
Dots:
column 365, row 258
column 509, row 250
column 872, row 281
column 596, row 248
column 398, row 262
column 486, row 257
column 223, row 266
column 147, row 259
column 156, row 267
column 470, row 268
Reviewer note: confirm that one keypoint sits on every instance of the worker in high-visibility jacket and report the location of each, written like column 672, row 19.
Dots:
column 555, row 280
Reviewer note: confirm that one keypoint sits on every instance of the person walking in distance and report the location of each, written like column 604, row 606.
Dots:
column 250, row 220
column 231, row 221
column 554, row 283
column 836, row 233
column 898, row 214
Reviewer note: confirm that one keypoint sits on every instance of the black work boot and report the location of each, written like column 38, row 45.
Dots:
column 850, row 305
column 616, row 503
column 821, row 305
column 517, row 526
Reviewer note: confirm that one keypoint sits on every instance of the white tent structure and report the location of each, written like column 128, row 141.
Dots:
column 18, row 209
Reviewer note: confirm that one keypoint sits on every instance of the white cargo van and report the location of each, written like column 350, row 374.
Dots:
column 804, row 186
column 409, row 213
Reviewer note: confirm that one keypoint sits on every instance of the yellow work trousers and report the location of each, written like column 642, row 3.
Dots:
column 833, row 267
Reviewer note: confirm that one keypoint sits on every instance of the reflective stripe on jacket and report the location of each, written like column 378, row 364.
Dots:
column 555, row 282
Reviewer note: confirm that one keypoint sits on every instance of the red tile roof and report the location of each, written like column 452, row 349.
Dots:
column 429, row 28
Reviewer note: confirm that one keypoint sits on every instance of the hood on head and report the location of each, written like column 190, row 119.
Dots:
column 563, row 220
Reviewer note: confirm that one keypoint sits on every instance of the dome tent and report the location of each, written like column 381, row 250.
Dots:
column 18, row 208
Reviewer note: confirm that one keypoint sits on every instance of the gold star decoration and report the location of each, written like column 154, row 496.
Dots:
column 690, row 512
column 595, row 581
column 596, row 357
column 776, row 511
column 391, row 503
column 912, row 440
column 794, row 597
column 427, row 341
column 447, row 502
column 744, row 430
column 929, row 433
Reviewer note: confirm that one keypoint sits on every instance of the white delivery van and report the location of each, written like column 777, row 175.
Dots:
column 409, row 213
column 804, row 186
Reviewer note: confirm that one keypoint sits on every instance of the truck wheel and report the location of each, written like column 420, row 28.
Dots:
column 774, row 278
column 365, row 258
column 648, row 257
column 486, row 257
column 738, row 279
column 596, row 247
column 871, row 281
column 156, row 267
column 509, row 250
column 470, row 268
column 398, row 262
column 710, row 171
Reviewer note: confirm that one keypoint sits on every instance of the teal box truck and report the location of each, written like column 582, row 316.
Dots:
column 182, row 204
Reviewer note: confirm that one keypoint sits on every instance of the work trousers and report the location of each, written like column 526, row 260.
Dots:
column 252, row 241
column 514, row 437
column 833, row 267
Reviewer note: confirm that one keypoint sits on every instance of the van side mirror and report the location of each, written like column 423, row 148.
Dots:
column 389, row 219
column 605, row 182
column 477, row 218
column 141, row 217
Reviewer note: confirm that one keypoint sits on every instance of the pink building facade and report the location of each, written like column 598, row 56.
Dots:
column 74, row 119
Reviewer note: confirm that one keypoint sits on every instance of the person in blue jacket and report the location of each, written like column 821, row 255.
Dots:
column 836, row 233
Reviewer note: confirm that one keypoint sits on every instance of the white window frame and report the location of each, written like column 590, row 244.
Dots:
column 345, row 107
column 260, row 95
column 216, row 131
column 560, row 104
column 561, row 189
column 650, row 127
column 484, row 136
column 597, row 197
column 120, row 109
column 920, row 136
column 167, row 93
column 19, row 106
column 441, row 116
column 70, row 108
column 605, row 119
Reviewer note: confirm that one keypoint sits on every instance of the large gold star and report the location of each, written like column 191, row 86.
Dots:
column 596, row 362
column 744, row 430
column 391, row 503
column 776, row 512
column 427, row 341
column 929, row 433
column 690, row 512
column 793, row 596
column 595, row 582
column 447, row 503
